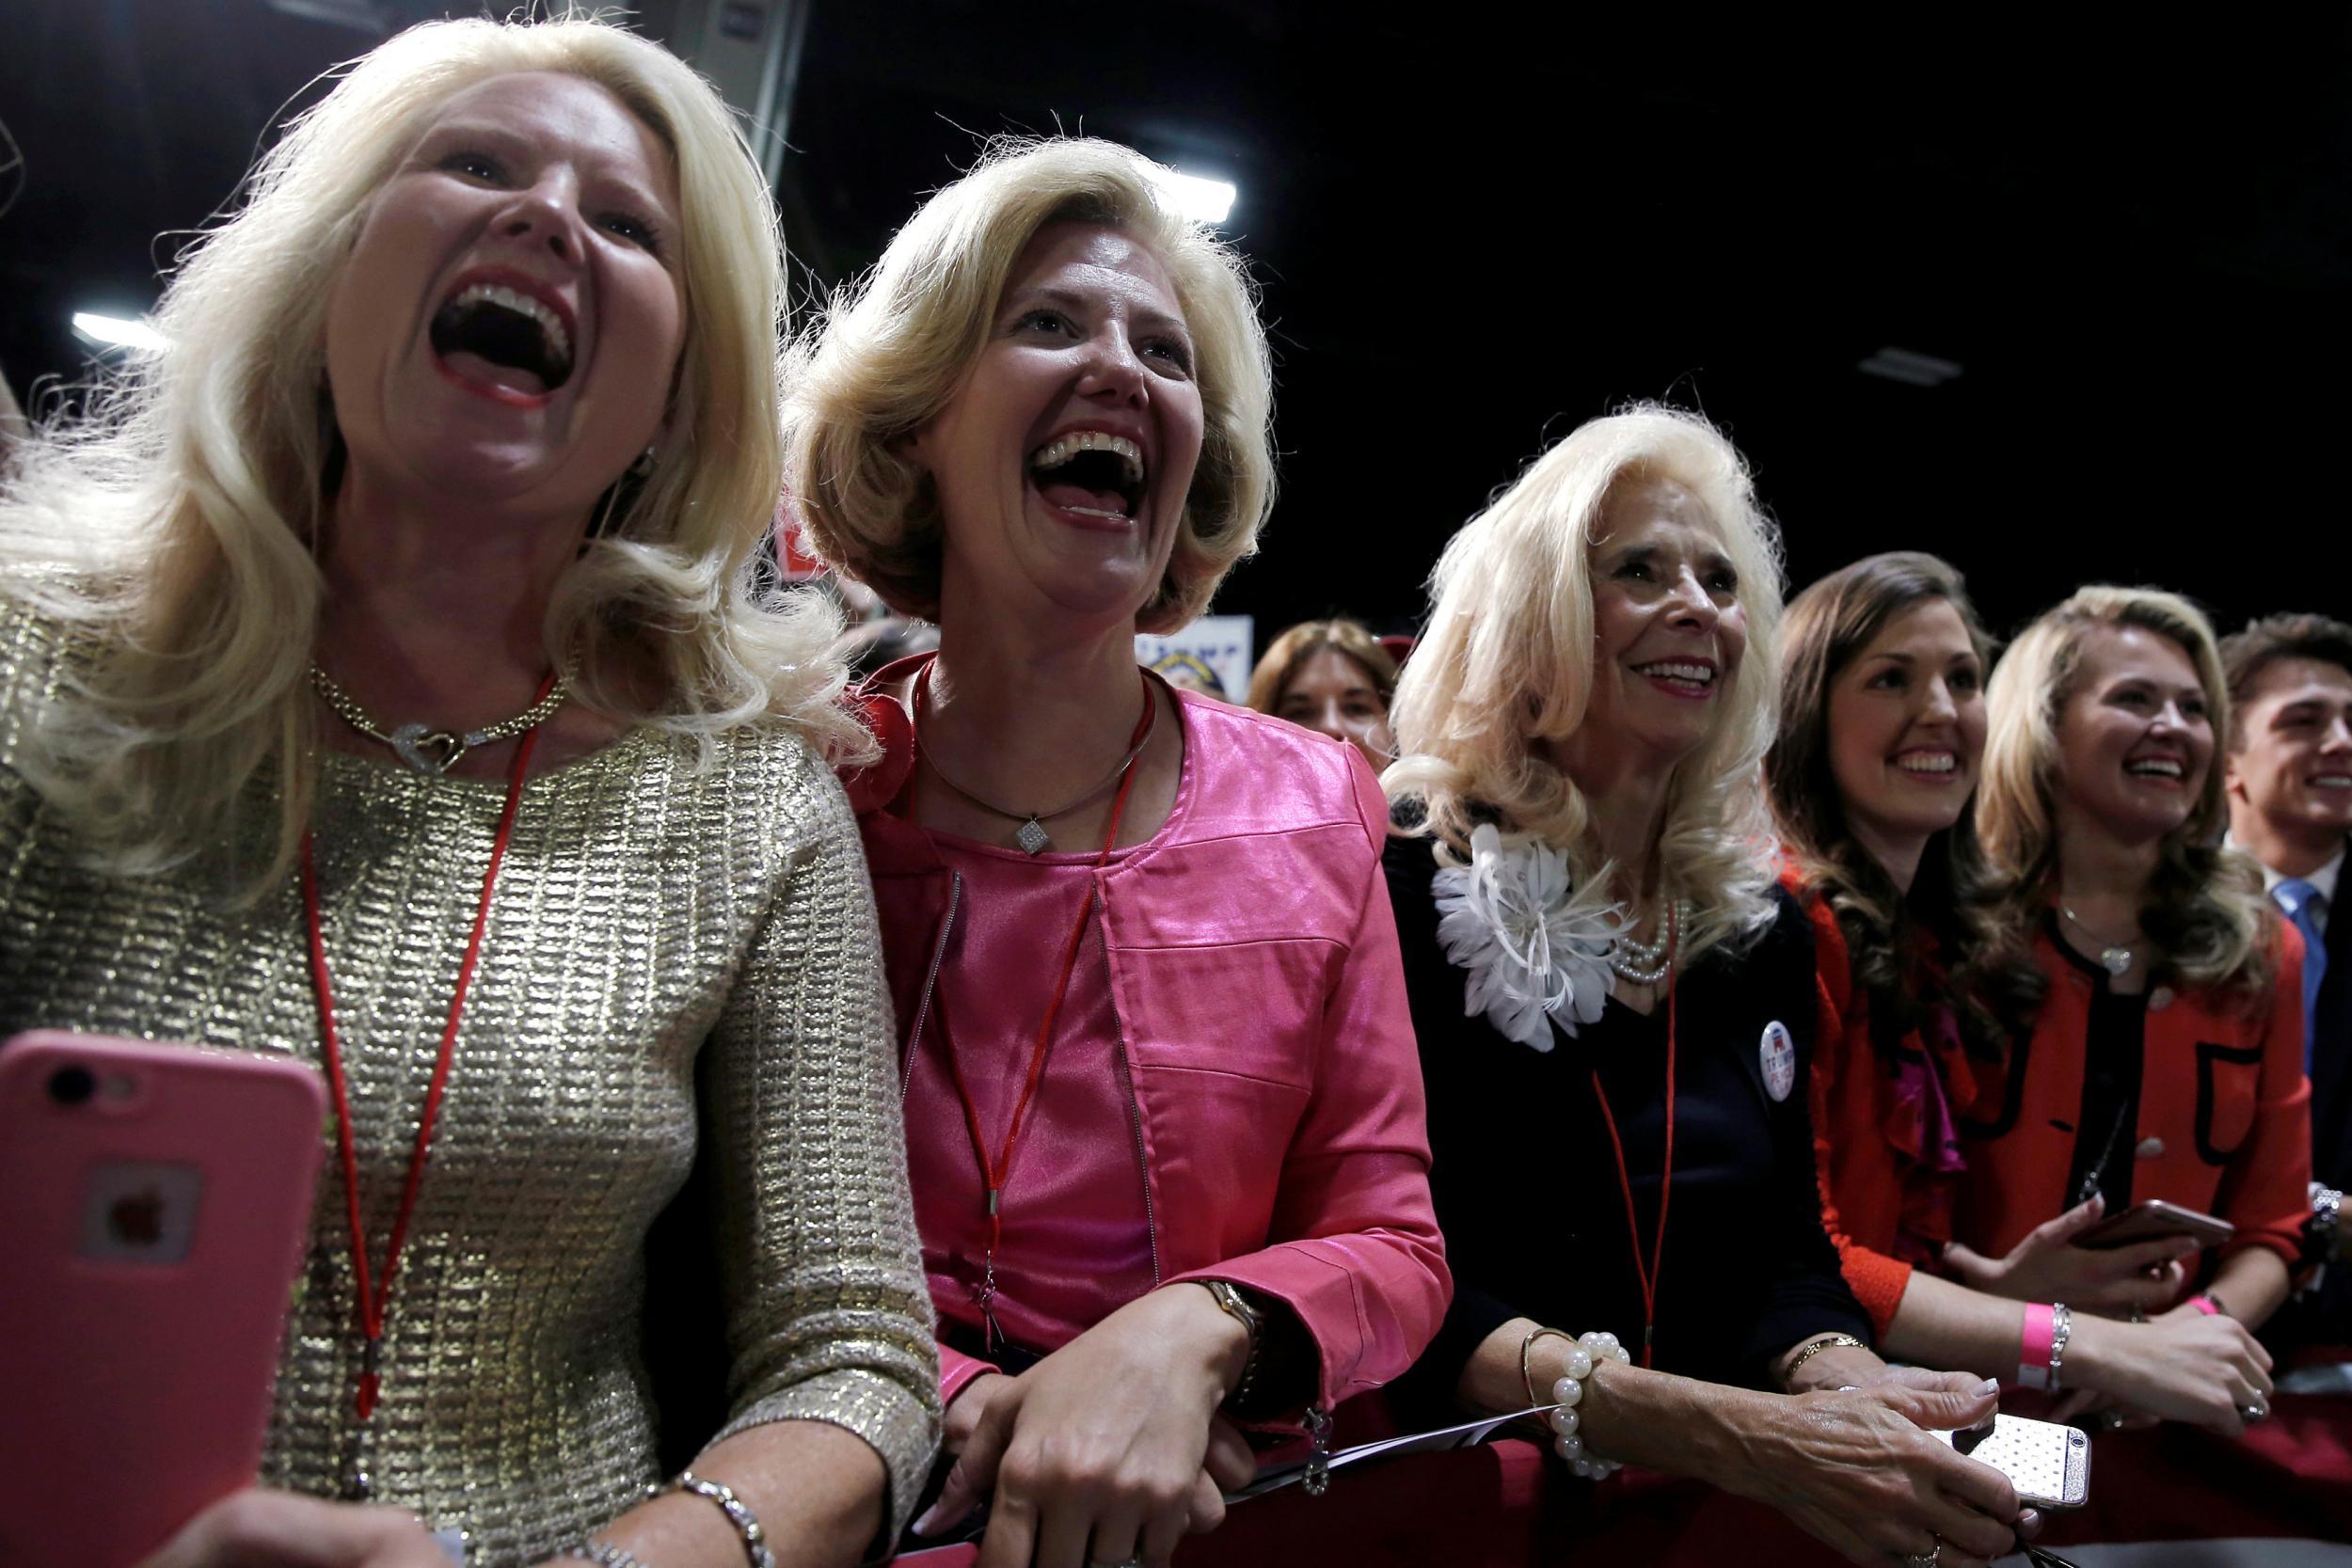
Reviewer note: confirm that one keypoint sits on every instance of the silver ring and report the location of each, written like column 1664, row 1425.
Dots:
column 1928, row 1558
column 2257, row 1410
column 1134, row 1561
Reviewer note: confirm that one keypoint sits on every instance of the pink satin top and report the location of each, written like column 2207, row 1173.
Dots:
column 1256, row 1004
column 1076, row 1242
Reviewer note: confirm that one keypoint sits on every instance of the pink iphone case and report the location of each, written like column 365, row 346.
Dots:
column 155, row 1206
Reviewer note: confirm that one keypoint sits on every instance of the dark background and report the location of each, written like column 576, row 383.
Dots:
column 1474, row 230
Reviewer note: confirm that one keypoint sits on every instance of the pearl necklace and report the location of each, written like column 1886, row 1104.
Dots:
column 1646, row 963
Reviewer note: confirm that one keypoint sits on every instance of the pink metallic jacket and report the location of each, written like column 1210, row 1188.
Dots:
column 1262, row 1012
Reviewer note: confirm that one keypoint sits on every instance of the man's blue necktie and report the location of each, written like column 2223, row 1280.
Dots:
column 2303, row 905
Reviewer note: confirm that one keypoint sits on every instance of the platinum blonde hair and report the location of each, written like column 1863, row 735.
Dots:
column 1506, row 665
column 897, row 343
column 174, row 531
column 2205, row 910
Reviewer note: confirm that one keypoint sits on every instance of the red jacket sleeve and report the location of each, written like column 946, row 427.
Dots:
column 1361, row 1263
column 1877, row 1280
column 2267, row 1191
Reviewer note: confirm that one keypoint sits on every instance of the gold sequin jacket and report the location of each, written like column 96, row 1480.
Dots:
column 651, row 917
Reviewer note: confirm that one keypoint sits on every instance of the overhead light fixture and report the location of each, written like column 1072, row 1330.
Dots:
column 1912, row 370
column 119, row 332
column 1201, row 199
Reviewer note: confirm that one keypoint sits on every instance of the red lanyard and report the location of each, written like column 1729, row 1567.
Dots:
column 372, row 1302
column 1647, row 1273
column 997, row 1171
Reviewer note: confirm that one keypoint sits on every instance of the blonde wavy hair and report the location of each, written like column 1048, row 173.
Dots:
column 174, row 531
column 895, row 345
column 1506, row 664
column 2205, row 911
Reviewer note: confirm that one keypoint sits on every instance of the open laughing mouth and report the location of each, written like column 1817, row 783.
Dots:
column 1093, row 476
column 502, row 334
column 2158, row 771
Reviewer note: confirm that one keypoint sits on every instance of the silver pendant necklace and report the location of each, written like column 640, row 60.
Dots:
column 432, row 752
column 1031, row 835
column 2114, row 957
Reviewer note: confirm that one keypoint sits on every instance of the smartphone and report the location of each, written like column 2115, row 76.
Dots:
column 2049, row 1465
column 2153, row 1221
column 154, row 1210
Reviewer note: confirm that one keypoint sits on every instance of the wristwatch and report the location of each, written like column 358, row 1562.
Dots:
column 1238, row 1307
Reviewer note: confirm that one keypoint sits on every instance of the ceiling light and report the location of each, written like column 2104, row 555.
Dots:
column 119, row 332
column 1913, row 369
column 1202, row 200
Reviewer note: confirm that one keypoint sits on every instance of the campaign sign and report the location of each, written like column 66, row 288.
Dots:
column 1217, row 647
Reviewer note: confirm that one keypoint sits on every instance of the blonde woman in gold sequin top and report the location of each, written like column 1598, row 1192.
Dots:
column 439, row 510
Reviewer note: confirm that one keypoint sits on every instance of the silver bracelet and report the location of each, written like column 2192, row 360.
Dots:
column 746, row 1523
column 603, row 1552
column 2061, row 1329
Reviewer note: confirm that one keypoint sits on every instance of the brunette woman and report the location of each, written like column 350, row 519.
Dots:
column 1335, row 679
column 410, row 592
column 1165, row 1118
column 2165, row 1058
column 1882, row 738
column 1615, row 1003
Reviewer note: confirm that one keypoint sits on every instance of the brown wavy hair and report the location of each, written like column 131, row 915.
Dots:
column 1827, row 627
column 2259, row 644
column 1286, row 653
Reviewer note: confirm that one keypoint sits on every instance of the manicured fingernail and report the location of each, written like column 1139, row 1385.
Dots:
column 1990, row 1386
column 927, row 1523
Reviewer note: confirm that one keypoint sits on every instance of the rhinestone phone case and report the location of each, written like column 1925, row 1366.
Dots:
column 2049, row 1465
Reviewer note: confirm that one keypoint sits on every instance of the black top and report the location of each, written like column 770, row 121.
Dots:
column 2115, row 1047
column 1526, row 1187
column 2322, row 1315
column 2332, row 1052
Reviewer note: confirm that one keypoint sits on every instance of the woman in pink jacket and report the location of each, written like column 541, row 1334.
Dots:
column 1165, row 1117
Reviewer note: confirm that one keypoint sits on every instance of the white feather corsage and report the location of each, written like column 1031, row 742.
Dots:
column 1536, row 949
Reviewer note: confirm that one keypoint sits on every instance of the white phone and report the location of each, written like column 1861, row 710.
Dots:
column 2049, row 1465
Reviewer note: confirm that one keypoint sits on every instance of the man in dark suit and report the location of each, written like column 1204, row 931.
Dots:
column 2289, row 770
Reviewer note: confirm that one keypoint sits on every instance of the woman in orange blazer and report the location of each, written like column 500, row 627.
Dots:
column 1882, row 732
column 2165, row 1060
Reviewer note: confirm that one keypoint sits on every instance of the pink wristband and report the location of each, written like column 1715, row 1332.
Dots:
column 2033, row 1346
column 2206, row 1304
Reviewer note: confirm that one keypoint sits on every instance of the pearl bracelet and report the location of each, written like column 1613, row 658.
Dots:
column 1589, row 1350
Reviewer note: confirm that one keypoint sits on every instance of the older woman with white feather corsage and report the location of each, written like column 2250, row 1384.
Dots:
column 1614, row 1004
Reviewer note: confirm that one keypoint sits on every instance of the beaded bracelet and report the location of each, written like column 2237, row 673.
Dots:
column 746, row 1523
column 1589, row 1350
column 603, row 1552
